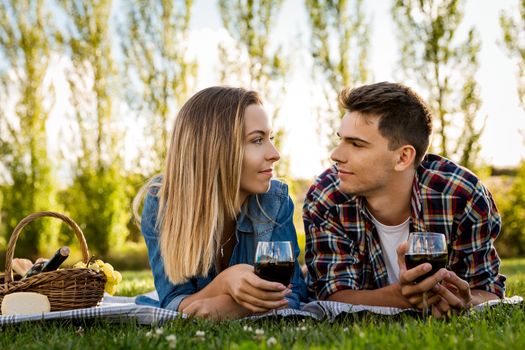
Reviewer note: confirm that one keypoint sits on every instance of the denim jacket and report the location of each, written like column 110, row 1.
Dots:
column 252, row 226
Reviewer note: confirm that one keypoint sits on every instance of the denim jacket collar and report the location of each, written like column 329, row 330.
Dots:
column 252, row 218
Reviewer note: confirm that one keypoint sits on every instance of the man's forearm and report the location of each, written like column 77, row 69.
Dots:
column 480, row 296
column 386, row 296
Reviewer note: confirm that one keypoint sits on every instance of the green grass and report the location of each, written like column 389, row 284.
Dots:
column 498, row 328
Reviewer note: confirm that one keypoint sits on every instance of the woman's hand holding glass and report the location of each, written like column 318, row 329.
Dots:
column 252, row 292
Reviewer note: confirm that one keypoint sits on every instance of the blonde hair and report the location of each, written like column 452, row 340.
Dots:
column 201, row 180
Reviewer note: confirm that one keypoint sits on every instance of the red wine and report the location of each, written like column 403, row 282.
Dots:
column 438, row 261
column 280, row 271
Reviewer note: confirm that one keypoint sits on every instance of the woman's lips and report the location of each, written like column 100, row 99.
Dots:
column 267, row 172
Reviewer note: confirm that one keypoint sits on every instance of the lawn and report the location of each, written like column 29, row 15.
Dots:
column 499, row 328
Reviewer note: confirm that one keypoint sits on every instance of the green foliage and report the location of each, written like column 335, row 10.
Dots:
column 434, row 58
column 98, row 203
column 512, row 207
column 26, row 175
column 340, row 44
column 154, row 39
column 254, row 63
column 514, row 41
column 97, row 198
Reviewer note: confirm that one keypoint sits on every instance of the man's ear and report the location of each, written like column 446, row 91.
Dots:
column 406, row 156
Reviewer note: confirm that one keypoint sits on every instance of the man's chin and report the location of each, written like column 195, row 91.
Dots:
column 347, row 189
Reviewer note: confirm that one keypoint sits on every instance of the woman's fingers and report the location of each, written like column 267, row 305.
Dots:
column 263, row 284
column 266, row 302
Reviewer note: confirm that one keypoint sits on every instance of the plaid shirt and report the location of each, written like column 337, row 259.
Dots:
column 342, row 245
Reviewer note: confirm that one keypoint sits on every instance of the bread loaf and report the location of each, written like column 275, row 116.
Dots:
column 25, row 303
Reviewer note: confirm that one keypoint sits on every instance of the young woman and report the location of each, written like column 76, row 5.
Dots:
column 203, row 218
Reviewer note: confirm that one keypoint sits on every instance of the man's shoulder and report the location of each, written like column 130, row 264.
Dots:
column 437, row 173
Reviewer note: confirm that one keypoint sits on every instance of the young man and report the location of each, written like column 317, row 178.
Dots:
column 359, row 212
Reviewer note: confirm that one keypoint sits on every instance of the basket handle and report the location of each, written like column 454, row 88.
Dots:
column 14, row 237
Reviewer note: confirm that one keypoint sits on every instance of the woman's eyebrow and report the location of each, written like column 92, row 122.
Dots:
column 262, row 132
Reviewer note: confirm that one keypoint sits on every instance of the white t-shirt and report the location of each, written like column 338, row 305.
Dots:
column 390, row 237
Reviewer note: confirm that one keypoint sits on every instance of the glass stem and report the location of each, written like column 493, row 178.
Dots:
column 425, row 305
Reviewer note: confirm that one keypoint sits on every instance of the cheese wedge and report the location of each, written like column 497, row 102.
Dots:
column 25, row 303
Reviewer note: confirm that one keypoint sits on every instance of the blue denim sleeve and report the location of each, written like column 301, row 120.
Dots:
column 285, row 231
column 170, row 295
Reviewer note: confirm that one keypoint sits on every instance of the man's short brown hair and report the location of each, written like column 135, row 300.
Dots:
column 404, row 117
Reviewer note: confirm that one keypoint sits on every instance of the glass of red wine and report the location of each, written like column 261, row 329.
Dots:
column 426, row 247
column 274, row 261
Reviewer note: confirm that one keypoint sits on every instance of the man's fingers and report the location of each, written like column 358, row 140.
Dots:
column 418, row 300
column 462, row 286
column 450, row 287
column 425, row 285
column 440, row 309
column 450, row 298
column 409, row 276
column 401, row 251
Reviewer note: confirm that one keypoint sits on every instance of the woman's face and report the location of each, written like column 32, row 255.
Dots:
column 259, row 153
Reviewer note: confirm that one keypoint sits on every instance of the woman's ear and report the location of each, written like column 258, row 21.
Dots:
column 406, row 156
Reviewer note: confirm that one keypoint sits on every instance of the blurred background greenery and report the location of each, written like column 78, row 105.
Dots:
column 125, row 69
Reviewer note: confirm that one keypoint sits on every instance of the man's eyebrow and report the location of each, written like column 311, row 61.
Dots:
column 352, row 139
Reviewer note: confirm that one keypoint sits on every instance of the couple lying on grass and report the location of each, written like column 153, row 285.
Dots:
column 216, row 199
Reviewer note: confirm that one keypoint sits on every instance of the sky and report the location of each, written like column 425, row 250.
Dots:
column 502, row 142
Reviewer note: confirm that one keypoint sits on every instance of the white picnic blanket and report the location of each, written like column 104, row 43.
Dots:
column 113, row 309
column 124, row 309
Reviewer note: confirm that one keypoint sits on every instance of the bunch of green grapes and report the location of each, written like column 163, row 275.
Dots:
column 113, row 277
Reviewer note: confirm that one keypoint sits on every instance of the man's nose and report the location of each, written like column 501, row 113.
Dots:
column 337, row 155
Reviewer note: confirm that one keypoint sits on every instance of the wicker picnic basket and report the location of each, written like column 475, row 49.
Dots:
column 66, row 289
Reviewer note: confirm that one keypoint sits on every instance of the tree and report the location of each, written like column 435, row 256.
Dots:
column 514, row 41
column 513, row 212
column 97, row 198
column 254, row 63
column 154, row 41
column 444, row 67
column 512, row 207
column 340, row 43
column 27, row 180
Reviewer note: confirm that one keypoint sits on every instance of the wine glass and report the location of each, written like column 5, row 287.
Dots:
column 274, row 261
column 426, row 247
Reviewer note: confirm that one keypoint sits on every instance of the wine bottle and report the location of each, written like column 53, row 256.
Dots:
column 57, row 260
column 34, row 270
column 50, row 265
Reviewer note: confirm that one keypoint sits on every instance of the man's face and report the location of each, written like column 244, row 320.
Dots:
column 364, row 162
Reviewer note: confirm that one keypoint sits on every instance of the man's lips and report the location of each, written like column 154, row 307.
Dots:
column 344, row 172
